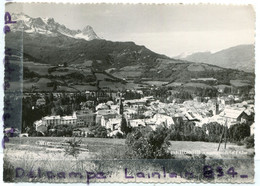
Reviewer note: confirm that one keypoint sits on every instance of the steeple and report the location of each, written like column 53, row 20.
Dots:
column 121, row 107
column 217, row 108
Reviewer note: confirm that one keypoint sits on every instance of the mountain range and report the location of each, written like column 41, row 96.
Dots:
column 55, row 56
column 239, row 57
column 48, row 26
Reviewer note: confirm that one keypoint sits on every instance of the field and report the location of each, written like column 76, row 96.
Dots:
column 39, row 68
column 94, row 145
column 129, row 72
column 104, row 154
column 156, row 83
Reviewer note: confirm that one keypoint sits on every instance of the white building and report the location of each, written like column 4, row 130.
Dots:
column 102, row 106
column 68, row 120
column 51, row 120
column 57, row 120
column 159, row 119
column 163, row 119
column 113, row 124
column 136, row 122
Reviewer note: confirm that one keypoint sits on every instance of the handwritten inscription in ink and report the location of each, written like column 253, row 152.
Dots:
column 8, row 74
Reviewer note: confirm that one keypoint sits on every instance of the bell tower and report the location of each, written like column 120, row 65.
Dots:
column 121, row 107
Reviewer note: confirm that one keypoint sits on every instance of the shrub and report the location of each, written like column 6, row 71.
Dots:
column 90, row 135
column 73, row 147
column 249, row 142
column 239, row 132
column 60, row 132
column 119, row 135
column 99, row 131
column 239, row 143
column 143, row 143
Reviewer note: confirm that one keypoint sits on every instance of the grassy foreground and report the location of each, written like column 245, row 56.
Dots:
column 107, row 155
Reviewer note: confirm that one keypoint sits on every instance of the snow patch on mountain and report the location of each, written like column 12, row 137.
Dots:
column 82, row 36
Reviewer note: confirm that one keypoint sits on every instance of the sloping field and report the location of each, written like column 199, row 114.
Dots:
column 197, row 85
column 39, row 68
column 129, row 72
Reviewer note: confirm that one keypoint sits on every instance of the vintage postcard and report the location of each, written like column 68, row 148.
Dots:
column 152, row 93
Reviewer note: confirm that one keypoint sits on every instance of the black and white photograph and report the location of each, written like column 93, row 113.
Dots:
column 140, row 93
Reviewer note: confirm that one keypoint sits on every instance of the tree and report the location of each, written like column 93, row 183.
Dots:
column 124, row 128
column 69, row 130
column 144, row 143
column 99, row 131
column 59, row 111
column 239, row 132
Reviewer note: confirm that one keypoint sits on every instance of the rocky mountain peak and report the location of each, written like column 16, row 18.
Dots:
column 87, row 28
column 89, row 32
column 50, row 27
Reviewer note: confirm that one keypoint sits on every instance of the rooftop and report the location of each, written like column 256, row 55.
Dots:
column 51, row 117
column 231, row 113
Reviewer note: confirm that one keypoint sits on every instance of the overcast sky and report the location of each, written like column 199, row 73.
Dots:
column 165, row 29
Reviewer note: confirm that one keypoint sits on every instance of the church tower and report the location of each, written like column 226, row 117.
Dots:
column 121, row 107
column 217, row 108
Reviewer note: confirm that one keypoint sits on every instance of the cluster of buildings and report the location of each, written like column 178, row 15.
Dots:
column 150, row 112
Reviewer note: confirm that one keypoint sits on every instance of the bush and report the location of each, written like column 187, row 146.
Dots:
column 239, row 132
column 99, row 131
column 249, row 141
column 143, row 143
column 239, row 143
column 119, row 135
column 90, row 135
